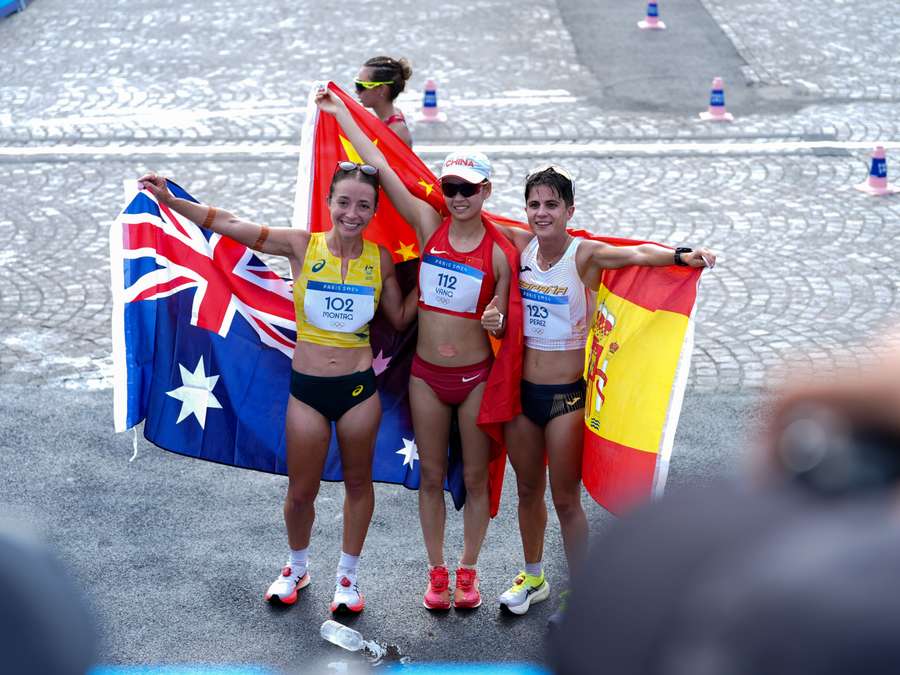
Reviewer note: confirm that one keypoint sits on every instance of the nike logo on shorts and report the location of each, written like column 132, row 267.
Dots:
column 436, row 252
column 525, row 269
column 573, row 401
column 469, row 379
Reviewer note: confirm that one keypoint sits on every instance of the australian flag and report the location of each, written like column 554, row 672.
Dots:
column 203, row 336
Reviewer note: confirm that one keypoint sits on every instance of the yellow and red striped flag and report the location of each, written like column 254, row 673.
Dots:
column 636, row 366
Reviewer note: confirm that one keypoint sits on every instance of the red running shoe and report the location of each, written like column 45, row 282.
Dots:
column 466, row 595
column 347, row 597
column 284, row 589
column 437, row 596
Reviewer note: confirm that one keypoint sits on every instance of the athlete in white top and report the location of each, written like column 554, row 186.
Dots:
column 557, row 276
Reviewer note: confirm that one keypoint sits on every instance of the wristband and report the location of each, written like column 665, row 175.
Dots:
column 263, row 235
column 210, row 217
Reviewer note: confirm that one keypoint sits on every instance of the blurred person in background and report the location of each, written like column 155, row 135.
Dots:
column 792, row 569
column 44, row 625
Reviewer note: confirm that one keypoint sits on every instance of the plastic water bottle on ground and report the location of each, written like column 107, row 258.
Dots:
column 342, row 636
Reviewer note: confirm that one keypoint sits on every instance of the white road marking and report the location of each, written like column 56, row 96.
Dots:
column 175, row 117
column 560, row 149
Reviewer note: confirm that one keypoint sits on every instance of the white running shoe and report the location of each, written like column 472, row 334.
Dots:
column 284, row 589
column 526, row 590
column 347, row 597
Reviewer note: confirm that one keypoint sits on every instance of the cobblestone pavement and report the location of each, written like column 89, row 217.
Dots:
column 805, row 269
column 844, row 49
column 806, row 261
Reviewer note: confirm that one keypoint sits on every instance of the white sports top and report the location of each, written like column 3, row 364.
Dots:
column 555, row 302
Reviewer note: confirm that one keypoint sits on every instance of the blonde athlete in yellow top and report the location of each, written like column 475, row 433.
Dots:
column 339, row 281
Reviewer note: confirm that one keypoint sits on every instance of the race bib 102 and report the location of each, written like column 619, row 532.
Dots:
column 344, row 308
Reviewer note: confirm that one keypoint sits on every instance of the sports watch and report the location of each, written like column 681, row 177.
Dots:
column 678, row 252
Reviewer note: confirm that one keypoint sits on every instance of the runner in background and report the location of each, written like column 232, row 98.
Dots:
column 378, row 84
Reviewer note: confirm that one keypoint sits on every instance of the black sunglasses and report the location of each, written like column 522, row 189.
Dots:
column 349, row 167
column 464, row 189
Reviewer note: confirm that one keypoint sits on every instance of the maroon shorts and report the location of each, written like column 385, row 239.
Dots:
column 451, row 384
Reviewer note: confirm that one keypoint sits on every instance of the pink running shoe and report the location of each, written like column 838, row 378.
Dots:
column 466, row 595
column 437, row 596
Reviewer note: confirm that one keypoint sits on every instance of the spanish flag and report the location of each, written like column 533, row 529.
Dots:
column 323, row 144
column 636, row 366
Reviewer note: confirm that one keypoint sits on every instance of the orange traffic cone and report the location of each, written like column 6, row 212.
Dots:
column 877, row 184
column 716, row 111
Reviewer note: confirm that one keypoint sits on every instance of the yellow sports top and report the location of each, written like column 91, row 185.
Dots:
column 332, row 311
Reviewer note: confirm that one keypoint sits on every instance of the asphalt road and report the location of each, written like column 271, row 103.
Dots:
column 174, row 554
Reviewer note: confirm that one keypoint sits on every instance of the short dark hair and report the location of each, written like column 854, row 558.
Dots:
column 386, row 69
column 340, row 175
column 561, row 184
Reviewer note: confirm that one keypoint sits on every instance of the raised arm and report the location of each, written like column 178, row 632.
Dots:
column 399, row 311
column 417, row 212
column 594, row 256
column 277, row 241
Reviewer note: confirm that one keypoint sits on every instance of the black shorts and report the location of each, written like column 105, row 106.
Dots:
column 333, row 396
column 542, row 402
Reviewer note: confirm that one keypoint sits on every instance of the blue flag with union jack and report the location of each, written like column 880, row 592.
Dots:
column 203, row 335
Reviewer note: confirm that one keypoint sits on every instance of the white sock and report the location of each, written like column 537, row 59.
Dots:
column 534, row 569
column 299, row 561
column 348, row 565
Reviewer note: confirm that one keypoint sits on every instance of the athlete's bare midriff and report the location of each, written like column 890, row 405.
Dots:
column 542, row 367
column 447, row 340
column 324, row 361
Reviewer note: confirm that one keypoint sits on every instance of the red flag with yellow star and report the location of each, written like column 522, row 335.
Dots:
column 324, row 145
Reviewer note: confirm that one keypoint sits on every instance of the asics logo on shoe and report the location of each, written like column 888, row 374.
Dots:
column 469, row 379
column 436, row 252
column 533, row 589
column 345, row 582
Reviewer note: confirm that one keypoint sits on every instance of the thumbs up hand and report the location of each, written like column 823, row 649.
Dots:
column 492, row 318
